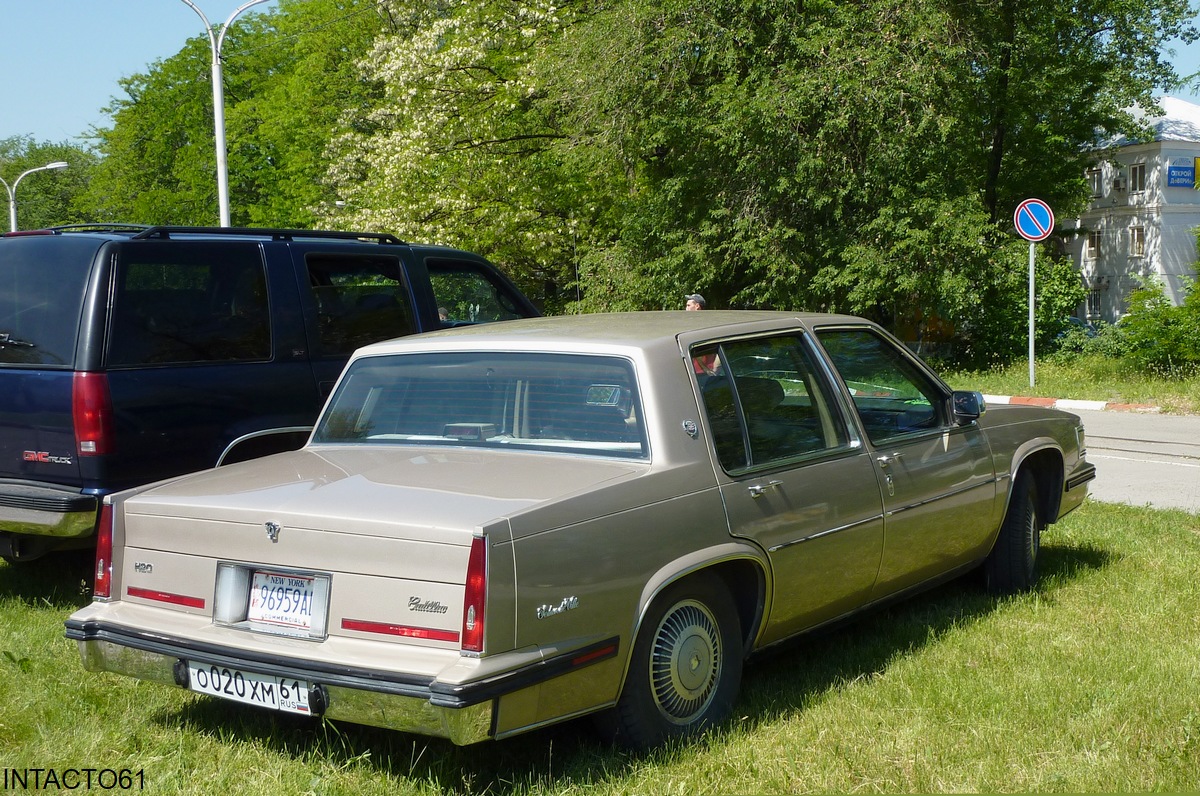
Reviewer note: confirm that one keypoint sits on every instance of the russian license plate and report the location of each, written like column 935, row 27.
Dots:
column 278, row 598
column 282, row 693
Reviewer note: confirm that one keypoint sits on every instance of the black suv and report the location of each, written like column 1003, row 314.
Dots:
column 131, row 354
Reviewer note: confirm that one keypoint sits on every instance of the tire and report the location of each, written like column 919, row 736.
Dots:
column 1011, row 567
column 686, row 668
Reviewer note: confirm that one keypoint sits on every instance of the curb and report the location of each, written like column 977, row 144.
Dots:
column 1070, row 404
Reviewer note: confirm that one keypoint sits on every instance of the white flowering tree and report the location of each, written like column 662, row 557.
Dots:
column 464, row 148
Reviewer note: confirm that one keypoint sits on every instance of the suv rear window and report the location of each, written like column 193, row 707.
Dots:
column 41, row 296
column 189, row 304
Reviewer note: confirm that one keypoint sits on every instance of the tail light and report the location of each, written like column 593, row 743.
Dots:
column 475, row 597
column 91, row 410
column 104, row 550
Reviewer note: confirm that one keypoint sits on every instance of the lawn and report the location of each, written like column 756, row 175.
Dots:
column 1093, row 378
column 1087, row 684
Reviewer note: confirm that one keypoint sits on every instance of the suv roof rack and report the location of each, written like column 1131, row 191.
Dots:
column 100, row 226
column 165, row 232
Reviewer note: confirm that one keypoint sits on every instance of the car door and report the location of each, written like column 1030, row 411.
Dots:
column 793, row 476
column 937, row 480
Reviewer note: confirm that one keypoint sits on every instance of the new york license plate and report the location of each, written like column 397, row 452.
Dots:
column 269, row 691
column 283, row 599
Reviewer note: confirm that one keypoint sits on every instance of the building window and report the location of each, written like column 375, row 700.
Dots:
column 1137, row 241
column 1093, row 303
column 1137, row 177
column 1093, row 245
column 1095, row 179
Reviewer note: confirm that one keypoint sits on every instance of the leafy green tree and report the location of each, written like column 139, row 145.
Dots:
column 862, row 157
column 289, row 76
column 48, row 198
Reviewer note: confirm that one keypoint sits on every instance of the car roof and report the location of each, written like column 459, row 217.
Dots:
column 592, row 331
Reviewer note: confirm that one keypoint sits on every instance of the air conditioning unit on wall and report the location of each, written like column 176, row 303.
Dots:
column 1119, row 183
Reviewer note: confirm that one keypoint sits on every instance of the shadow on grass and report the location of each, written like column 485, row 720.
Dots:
column 56, row 580
column 786, row 679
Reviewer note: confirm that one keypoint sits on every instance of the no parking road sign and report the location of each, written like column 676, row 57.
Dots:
column 1034, row 220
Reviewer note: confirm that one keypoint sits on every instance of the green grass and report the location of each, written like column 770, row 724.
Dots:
column 1093, row 378
column 1088, row 683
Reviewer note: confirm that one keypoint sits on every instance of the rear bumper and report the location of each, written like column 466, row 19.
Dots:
column 46, row 510
column 462, row 712
column 362, row 696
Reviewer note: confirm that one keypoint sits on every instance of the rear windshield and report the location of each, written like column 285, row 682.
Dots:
column 581, row 404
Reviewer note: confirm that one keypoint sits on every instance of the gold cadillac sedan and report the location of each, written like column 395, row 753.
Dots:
column 496, row 528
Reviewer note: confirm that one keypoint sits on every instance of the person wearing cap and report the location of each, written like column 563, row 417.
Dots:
column 694, row 302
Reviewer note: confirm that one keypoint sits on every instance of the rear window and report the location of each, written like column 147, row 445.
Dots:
column 42, row 284
column 558, row 402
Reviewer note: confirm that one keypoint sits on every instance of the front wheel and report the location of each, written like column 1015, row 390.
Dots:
column 1012, row 565
column 686, row 667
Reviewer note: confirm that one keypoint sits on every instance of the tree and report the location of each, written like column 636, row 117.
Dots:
column 49, row 198
column 289, row 76
column 463, row 147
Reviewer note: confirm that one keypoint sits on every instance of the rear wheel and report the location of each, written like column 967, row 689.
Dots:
column 686, row 667
column 1012, row 565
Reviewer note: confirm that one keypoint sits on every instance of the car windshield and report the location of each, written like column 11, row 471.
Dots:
column 559, row 402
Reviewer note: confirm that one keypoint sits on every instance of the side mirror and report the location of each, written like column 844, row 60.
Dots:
column 968, row 406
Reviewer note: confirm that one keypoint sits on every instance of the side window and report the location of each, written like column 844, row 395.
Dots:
column 359, row 300
column 188, row 304
column 765, row 401
column 890, row 392
column 468, row 293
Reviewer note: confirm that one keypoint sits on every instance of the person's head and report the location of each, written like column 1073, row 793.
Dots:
column 443, row 314
column 694, row 302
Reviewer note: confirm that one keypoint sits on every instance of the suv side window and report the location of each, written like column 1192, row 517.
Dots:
column 188, row 305
column 891, row 394
column 468, row 294
column 359, row 300
column 766, row 401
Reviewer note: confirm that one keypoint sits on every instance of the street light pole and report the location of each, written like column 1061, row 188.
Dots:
column 215, row 41
column 12, row 191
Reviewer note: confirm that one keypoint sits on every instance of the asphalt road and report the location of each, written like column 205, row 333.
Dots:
column 1144, row 459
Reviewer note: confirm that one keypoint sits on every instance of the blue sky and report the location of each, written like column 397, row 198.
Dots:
column 60, row 60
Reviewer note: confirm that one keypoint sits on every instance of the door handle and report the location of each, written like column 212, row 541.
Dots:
column 888, row 459
column 758, row 490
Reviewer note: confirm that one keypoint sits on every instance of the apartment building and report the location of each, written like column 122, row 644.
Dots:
column 1144, row 214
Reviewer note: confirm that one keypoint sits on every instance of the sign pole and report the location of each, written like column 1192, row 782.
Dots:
column 1031, row 313
column 1034, row 221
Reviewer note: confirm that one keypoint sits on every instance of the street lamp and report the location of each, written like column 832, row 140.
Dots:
column 12, row 191
column 215, row 41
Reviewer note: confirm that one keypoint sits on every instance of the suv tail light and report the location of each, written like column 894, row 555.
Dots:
column 104, row 549
column 92, row 412
column 475, row 597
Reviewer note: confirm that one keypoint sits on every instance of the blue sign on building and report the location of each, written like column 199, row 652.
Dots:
column 1181, row 176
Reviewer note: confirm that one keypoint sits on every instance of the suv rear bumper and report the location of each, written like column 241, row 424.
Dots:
column 40, row 510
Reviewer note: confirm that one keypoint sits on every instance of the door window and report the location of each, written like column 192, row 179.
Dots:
column 890, row 392
column 766, row 402
column 466, row 293
column 360, row 300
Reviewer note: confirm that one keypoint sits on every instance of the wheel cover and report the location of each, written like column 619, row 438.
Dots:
column 685, row 662
column 1034, row 532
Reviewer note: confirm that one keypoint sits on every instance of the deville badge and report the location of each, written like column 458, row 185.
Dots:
column 273, row 529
